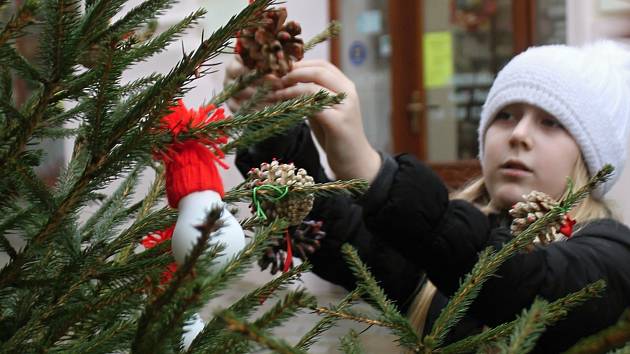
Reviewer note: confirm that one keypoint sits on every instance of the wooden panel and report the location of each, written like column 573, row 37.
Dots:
column 406, row 29
column 456, row 174
column 335, row 43
column 524, row 20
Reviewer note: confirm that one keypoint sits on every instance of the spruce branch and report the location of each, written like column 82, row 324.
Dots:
column 282, row 310
column 353, row 187
column 251, row 332
column 9, row 57
column 608, row 339
column 156, row 220
column 238, row 264
column 235, row 87
column 145, row 335
column 97, row 16
column 272, row 125
column 556, row 311
column 52, row 322
column 328, row 321
column 354, row 317
column 375, row 296
column 102, row 221
column 22, row 132
column 155, row 192
column 213, row 334
column 350, row 343
column 6, row 91
column 136, row 17
column 301, row 106
column 160, row 42
column 136, row 122
column 140, row 84
column 35, row 188
column 22, row 18
column 113, row 338
column 249, row 78
column 58, row 48
column 250, row 105
column 153, row 102
column 106, row 92
column 5, row 246
column 528, row 328
column 332, row 30
column 242, row 260
column 489, row 262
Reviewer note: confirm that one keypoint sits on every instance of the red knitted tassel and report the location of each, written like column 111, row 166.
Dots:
column 288, row 262
column 155, row 238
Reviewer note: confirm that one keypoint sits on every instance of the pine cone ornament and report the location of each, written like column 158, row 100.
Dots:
column 535, row 206
column 305, row 240
column 272, row 46
column 292, row 208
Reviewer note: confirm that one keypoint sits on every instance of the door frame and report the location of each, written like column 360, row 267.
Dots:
column 406, row 73
column 407, row 77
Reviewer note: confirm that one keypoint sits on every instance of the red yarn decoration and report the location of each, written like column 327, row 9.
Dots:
column 567, row 226
column 288, row 262
column 191, row 164
column 155, row 238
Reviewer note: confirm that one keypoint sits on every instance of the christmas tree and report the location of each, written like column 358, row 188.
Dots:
column 82, row 283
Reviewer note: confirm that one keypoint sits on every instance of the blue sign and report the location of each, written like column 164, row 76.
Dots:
column 358, row 53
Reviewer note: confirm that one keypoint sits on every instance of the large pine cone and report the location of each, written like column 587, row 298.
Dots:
column 535, row 206
column 272, row 46
column 292, row 208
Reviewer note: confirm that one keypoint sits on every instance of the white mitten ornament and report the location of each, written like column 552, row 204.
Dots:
column 194, row 187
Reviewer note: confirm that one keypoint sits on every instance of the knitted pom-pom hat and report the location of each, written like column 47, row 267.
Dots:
column 191, row 164
column 586, row 88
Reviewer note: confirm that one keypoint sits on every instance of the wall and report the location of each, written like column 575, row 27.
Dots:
column 587, row 22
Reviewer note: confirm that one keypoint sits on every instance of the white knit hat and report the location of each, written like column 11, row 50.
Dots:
column 586, row 88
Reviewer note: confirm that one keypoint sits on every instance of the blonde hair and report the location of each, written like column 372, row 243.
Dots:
column 475, row 192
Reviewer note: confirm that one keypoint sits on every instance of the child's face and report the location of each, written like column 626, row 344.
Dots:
column 526, row 149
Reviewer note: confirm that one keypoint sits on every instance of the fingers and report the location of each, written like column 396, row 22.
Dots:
column 272, row 80
column 297, row 91
column 321, row 73
column 234, row 69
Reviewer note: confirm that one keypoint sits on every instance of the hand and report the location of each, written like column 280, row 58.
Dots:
column 338, row 129
column 233, row 71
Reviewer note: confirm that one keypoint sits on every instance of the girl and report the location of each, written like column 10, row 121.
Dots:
column 552, row 112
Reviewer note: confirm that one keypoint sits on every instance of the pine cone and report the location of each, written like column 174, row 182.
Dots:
column 305, row 240
column 535, row 206
column 292, row 208
column 272, row 46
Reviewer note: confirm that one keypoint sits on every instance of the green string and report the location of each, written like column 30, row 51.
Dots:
column 282, row 192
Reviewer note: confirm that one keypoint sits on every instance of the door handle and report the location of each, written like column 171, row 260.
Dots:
column 414, row 110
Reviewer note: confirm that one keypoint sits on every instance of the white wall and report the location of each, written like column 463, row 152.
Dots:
column 587, row 22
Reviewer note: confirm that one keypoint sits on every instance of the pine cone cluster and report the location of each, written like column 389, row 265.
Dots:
column 305, row 240
column 272, row 46
column 291, row 208
column 535, row 206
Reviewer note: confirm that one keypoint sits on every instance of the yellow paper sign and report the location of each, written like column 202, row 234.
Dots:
column 437, row 55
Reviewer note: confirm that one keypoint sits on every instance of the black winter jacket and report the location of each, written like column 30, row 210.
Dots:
column 405, row 226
